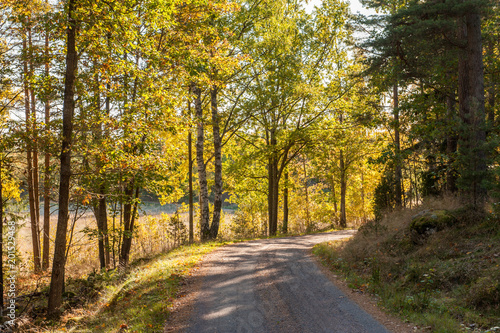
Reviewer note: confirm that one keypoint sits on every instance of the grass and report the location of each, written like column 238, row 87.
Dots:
column 140, row 303
column 447, row 282
column 136, row 300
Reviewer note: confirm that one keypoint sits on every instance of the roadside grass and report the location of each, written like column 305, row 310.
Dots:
column 135, row 300
column 140, row 302
column 449, row 282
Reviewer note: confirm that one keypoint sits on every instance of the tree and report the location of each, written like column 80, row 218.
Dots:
column 216, row 63
column 47, row 154
column 292, row 55
column 59, row 261
column 202, row 173
column 421, row 31
column 9, row 187
column 472, row 145
column 24, row 16
column 346, row 140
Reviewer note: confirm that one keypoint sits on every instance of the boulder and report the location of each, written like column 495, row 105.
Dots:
column 427, row 222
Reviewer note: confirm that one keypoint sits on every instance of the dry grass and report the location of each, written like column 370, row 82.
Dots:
column 137, row 300
column 151, row 237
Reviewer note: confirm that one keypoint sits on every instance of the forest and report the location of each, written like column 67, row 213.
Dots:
column 248, row 118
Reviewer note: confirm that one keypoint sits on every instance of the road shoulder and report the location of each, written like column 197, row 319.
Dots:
column 182, row 307
column 365, row 301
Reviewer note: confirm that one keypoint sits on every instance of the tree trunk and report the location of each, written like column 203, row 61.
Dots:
column 306, row 193
column 103, row 202
column 451, row 146
column 476, row 102
column 113, row 240
column 335, row 205
column 103, row 212
column 202, row 171
column 97, row 135
column 100, row 240
column 415, row 180
column 472, row 151
column 100, row 209
column 363, row 195
column 101, row 216
column 46, row 213
column 129, row 214
column 276, row 197
column 127, row 219
column 35, row 237
column 57, row 278
column 36, row 195
column 214, row 229
column 191, row 208
column 273, row 186
column 270, row 195
column 491, row 92
column 397, row 167
column 491, row 106
column 190, row 176
column 285, row 204
column 343, row 191
column 46, row 179
column 1, row 239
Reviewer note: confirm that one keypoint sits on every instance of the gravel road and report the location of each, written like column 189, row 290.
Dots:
column 273, row 285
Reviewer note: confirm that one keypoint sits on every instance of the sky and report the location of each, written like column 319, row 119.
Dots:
column 355, row 7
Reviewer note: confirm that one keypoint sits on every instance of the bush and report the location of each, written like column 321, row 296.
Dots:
column 244, row 224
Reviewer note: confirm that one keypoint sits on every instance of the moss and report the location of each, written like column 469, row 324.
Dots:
column 428, row 222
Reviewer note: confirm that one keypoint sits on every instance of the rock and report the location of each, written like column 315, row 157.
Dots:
column 427, row 222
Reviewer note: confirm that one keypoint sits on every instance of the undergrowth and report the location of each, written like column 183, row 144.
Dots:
column 135, row 300
column 447, row 282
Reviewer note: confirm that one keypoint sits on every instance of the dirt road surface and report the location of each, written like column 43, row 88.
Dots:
column 273, row 285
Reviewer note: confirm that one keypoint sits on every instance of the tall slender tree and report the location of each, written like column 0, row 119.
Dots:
column 472, row 144
column 59, row 261
column 46, row 177
column 30, row 150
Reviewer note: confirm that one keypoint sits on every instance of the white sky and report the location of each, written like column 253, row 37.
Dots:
column 355, row 7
